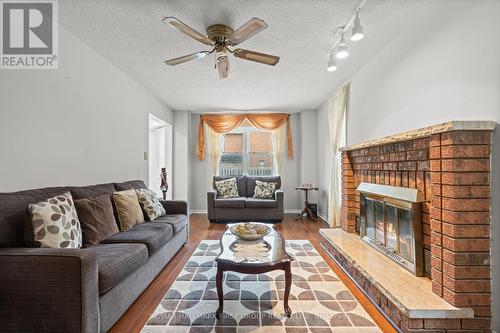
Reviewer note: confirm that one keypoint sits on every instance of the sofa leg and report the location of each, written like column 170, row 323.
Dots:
column 212, row 220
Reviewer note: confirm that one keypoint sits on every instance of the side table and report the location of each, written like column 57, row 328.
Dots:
column 307, row 211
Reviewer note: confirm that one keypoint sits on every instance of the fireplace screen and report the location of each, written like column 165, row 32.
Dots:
column 390, row 222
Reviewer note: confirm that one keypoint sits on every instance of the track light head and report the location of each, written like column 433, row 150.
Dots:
column 332, row 64
column 342, row 51
column 357, row 30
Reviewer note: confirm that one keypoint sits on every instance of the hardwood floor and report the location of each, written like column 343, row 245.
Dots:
column 138, row 314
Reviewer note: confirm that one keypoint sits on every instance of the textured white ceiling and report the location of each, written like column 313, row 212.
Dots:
column 130, row 35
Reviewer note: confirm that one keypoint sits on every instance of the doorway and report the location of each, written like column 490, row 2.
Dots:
column 160, row 154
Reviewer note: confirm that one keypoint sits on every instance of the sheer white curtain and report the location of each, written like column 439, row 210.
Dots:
column 337, row 108
column 214, row 150
column 278, row 141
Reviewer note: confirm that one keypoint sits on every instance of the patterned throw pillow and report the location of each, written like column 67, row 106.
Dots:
column 264, row 190
column 150, row 204
column 55, row 223
column 227, row 188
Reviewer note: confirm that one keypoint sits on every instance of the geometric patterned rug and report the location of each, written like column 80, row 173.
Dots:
column 254, row 303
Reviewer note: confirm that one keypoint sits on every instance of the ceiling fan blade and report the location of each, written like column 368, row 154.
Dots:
column 223, row 67
column 183, row 59
column 184, row 28
column 262, row 58
column 247, row 30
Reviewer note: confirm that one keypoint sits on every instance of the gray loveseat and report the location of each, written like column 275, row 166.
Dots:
column 80, row 290
column 245, row 207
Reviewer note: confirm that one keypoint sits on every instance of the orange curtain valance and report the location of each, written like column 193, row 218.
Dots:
column 223, row 123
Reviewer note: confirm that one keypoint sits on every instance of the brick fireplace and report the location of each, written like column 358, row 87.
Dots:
column 449, row 164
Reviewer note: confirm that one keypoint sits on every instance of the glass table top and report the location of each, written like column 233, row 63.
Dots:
column 268, row 250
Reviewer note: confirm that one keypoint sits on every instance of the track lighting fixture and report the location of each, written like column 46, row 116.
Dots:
column 332, row 63
column 342, row 51
column 357, row 29
column 339, row 49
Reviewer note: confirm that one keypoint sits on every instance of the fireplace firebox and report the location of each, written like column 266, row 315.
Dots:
column 390, row 221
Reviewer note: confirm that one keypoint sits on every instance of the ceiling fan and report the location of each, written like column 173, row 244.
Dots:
column 222, row 38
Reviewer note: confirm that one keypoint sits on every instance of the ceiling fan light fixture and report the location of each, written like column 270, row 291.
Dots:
column 332, row 63
column 342, row 51
column 357, row 30
column 223, row 67
column 222, row 38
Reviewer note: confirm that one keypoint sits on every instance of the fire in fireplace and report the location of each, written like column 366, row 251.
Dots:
column 391, row 223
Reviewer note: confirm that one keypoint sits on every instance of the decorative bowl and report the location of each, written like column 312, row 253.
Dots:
column 250, row 231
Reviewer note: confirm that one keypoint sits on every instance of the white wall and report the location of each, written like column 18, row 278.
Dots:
column 325, row 158
column 182, row 153
column 200, row 174
column 84, row 123
column 445, row 68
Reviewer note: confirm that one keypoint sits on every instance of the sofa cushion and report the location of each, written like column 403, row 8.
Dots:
column 130, row 185
column 150, row 204
column 230, row 203
column 82, row 192
column 128, row 209
column 13, row 212
column 264, row 190
column 96, row 219
column 241, row 183
column 177, row 221
column 116, row 261
column 153, row 235
column 53, row 223
column 261, row 203
column 227, row 188
column 269, row 179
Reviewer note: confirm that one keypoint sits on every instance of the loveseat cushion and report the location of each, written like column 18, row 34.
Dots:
column 177, row 221
column 261, row 203
column 251, row 182
column 153, row 235
column 230, row 203
column 116, row 261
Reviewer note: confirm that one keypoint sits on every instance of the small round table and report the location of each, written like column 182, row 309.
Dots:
column 307, row 211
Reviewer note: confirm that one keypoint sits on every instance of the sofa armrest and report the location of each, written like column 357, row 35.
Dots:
column 48, row 290
column 211, row 196
column 280, row 198
column 175, row 206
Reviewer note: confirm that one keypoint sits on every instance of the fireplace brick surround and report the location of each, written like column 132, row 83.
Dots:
column 450, row 164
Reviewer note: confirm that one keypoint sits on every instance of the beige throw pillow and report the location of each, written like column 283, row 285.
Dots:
column 128, row 209
column 55, row 223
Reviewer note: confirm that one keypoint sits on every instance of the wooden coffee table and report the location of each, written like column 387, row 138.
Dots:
column 277, row 259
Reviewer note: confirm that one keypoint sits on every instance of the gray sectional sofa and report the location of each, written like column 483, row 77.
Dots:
column 245, row 207
column 80, row 290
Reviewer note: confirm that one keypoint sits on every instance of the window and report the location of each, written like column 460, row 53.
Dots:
column 247, row 151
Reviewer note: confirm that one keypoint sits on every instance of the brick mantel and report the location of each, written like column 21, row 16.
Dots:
column 450, row 164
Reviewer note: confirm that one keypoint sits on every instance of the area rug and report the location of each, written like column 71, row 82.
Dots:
column 254, row 303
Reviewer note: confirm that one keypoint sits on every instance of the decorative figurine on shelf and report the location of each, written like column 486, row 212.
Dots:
column 164, row 184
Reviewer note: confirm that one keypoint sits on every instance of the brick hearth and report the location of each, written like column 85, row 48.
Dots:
column 450, row 165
